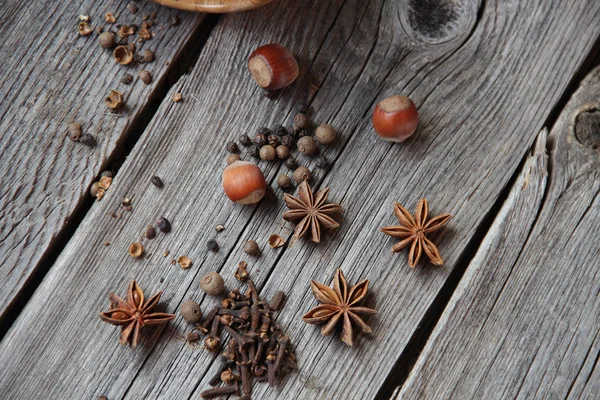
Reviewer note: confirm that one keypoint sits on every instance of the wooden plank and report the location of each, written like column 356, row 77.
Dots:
column 50, row 76
column 483, row 87
column 523, row 322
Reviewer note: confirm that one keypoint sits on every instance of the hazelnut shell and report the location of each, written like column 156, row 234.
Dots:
column 273, row 66
column 244, row 182
column 395, row 118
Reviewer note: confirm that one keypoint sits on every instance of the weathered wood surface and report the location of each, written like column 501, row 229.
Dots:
column 484, row 83
column 50, row 76
column 525, row 319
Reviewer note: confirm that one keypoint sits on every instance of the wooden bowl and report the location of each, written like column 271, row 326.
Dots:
column 213, row 6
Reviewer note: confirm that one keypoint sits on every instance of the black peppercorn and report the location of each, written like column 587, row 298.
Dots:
column 288, row 141
column 291, row 163
column 280, row 130
column 145, row 76
column 164, row 225
column 303, row 108
column 156, row 181
column 87, row 139
column 150, row 232
column 212, row 245
column 260, row 139
column 322, row 163
column 264, row 130
column 283, row 152
column 173, row 20
column 148, row 55
column 273, row 140
column 302, row 133
column 254, row 151
column 301, row 121
column 126, row 79
column 245, row 141
column 232, row 147
column 106, row 174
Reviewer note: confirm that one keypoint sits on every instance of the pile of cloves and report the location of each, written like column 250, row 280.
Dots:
column 257, row 348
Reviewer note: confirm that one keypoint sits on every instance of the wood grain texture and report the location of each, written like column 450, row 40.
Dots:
column 483, row 89
column 525, row 319
column 50, row 76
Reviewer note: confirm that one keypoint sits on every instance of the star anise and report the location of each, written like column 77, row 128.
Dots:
column 414, row 231
column 133, row 314
column 340, row 303
column 312, row 212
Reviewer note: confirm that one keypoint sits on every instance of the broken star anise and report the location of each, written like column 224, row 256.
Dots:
column 133, row 314
column 312, row 212
column 414, row 231
column 339, row 303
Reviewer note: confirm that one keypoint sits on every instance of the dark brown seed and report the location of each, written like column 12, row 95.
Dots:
column 74, row 131
column 245, row 140
column 268, row 153
column 288, row 140
column 156, row 181
column 260, row 139
column 232, row 147
column 193, row 336
column 132, row 8
column 283, row 152
column 163, row 225
column 281, row 130
column 219, row 391
column 212, row 245
column 322, row 163
column 251, row 248
column 277, row 301
column 87, row 139
column 150, row 232
column 291, row 163
column 306, row 145
column 148, row 55
column 303, row 108
column 173, row 20
column 241, row 274
column 301, row 174
column 102, row 398
column 190, row 311
column 301, row 133
column 254, row 151
column 284, row 181
column 273, row 140
column 107, row 40
column 301, row 121
column 145, row 76
column 126, row 79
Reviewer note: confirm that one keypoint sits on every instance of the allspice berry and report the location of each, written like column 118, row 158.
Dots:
column 325, row 134
column 284, row 181
column 148, row 55
column 283, row 152
column 301, row 121
column 306, row 145
column 150, row 232
column 212, row 283
column 268, row 153
column 74, row 131
column 301, row 174
column 145, row 76
column 164, row 225
column 251, row 248
column 107, row 40
column 232, row 158
column 191, row 312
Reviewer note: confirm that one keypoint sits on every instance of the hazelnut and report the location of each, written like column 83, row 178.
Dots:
column 395, row 119
column 244, row 182
column 273, row 66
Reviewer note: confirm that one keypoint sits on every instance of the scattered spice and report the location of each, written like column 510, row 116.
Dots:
column 212, row 283
column 191, row 312
column 212, row 245
column 105, row 182
column 150, row 232
column 254, row 151
column 184, row 262
column 84, row 29
column 301, row 121
column 94, row 189
column 173, row 20
column 219, row 228
column 325, row 134
column 107, row 40
column 107, row 243
column 283, row 152
column 114, row 100
column 277, row 301
column 251, row 248
column 126, row 202
column 273, row 140
column 144, row 33
column 133, row 314
column 322, row 163
column 241, row 274
column 166, row 253
column 414, row 231
column 148, row 55
column 342, row 303
column 110, row 18
column 132, row 8
column 156, row 181
column 288, row 141
column 284, row 181
column 145, row 76
column 245, row 140
column 291, row 163
column 276, row 241
column 302, row 174
column 312, row 211
column 220, row 391
column 84, row 18
column 193, row 337
column 87, row 139
column 232, row 147
column 232, row 158
column 136, row 250
column 127, row 79
column 163, row 225
column 125, row 31
column 307, row 146
column 74, row 131
column 176, row 97
column 123, row 55
column 303, row 108
column 268, row 153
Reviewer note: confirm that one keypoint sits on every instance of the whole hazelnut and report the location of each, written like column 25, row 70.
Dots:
column 212, row 283
column 273, row 66
column 190, row 311
column 251, row 248
column 306, row 145
column 395, row 119
column 268, row 153
column 301, row 174
column 106, row 40
column 244, row 182
column 284, row 181
column 283, row 152
column 325, row 134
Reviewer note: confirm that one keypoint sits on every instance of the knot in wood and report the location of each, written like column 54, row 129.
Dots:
column 586, row 126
